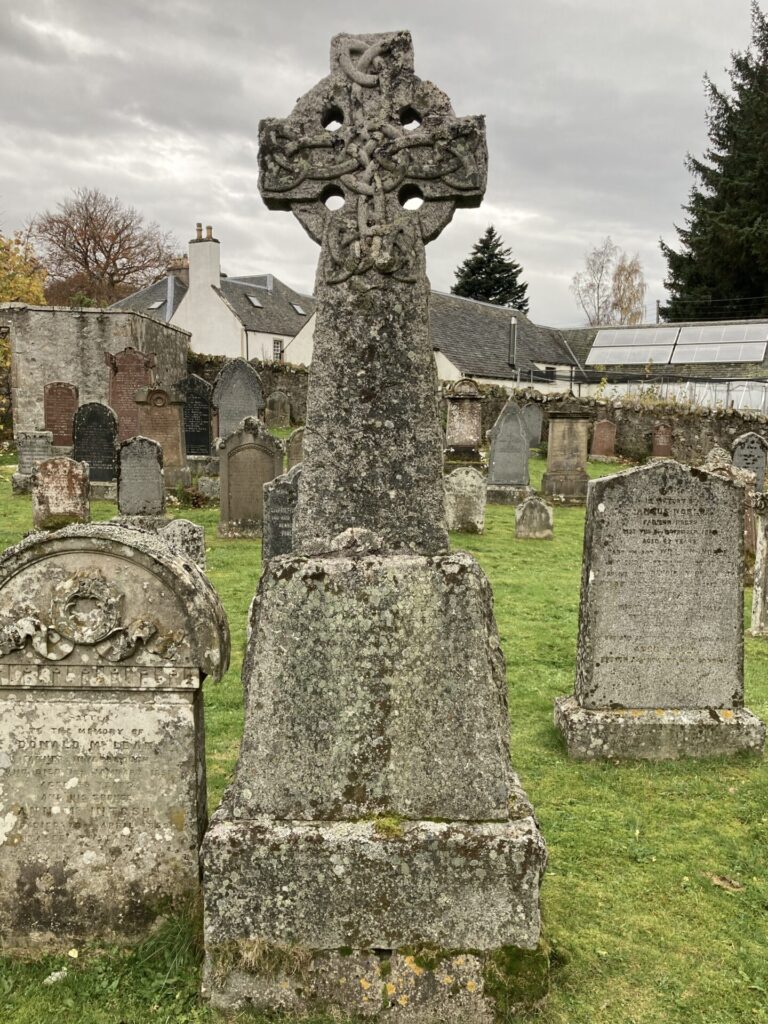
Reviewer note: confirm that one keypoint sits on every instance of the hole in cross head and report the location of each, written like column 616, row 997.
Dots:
column 332, row 197
column 411, row 197
column 409, row 118
column 332, row 119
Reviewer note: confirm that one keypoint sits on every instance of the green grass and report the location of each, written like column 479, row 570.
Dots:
column 639, row 932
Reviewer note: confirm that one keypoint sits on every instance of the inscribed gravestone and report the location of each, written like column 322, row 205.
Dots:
column 60, row 490
column 749, row 452
column 534, row 520
column 294, row 447
column 661, row 445
column 373, row 652
column 278, row 410
column 60, row 401
column 660, row 656
column 129, row 371
column 237, row 393
column 161, row 418
column 280, row 499
column 465, row 500
column 140, row 481
column 566, row 477
column 464, row 421
column 534, row 420
column 95, row 440
column 248, row 458
column 33, row 446
column 604, row 440
column 508, row 459
column 105, row 639
column 198, row 435
column 759, row 624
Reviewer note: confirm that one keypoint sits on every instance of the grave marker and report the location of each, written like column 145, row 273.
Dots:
column 281, row 496
column 534, row 520
column 95, row 441
column 759, row 625
column 161, row 418
column 248, row 459
column 464, row 421
column 565, row 480
column 660, row 658
column 105, row 639
column 465, row 500
column 294, row 447
column 60, row 492
column 604, row 440
column 140, row 482
column 237, row 393
column 661, row 446
column 749, row 452
column 534, row 421
column 60, row 403
column 278, row 410
column 198, row 435
column 508, row 480
column 129, row 371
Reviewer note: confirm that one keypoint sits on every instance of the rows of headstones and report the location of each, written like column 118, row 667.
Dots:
column 374, row 809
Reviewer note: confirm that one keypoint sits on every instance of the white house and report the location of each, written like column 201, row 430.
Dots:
column 252, row 317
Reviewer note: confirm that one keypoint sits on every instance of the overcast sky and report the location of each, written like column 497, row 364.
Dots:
column 591, row 106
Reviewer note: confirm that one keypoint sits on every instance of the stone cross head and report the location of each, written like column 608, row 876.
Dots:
column 372, row 160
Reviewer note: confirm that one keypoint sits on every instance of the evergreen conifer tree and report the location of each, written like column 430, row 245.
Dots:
column 720, row 270
column 491, row 275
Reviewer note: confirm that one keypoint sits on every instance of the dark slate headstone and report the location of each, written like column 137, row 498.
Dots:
column 280, row 498
column 59, row 407
column 140, row 483
column 237, row 393
column 749, row 452
column 278, row 410
column 130, row 370
column 508, row 460
column 95, row 440
column 533, row 417
column 197, row 414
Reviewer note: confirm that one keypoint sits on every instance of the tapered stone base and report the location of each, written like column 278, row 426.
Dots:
column 565, row 488
column 420, row 920
column 656, row 734
column 496, row 494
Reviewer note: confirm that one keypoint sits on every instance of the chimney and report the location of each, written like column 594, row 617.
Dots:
column 204, row 259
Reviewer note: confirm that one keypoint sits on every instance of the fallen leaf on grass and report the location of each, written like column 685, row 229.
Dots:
column 723, row 882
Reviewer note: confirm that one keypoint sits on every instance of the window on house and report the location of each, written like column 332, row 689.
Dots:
column 156, row 305
column 277, row 350
column 549, row 373
column 299, row 309
column 255, row 302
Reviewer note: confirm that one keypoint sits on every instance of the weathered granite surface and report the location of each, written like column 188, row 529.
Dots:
column 374, row 680
column 33, row 446
column 660, row 621
column 237, row 394
column 508, row 479
column 534, row 520
column 759, row 624
column 60, row 493
column 281, row 496
column 248, row 458
column 749, row 452
column 105, row 638
column 463, row 422
column 185, row 538
column 565, row 480
column 140, row 480
column 465, row 493
column 294, row 447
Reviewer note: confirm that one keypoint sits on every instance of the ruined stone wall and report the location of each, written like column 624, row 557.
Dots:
column 695, row 431
column 53, row 343
column 274, row 377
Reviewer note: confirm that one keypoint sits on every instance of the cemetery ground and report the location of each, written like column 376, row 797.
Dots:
column 655, row 901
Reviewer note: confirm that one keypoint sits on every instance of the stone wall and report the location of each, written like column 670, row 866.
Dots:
column 56, row 343
column 274, row 377
column 695, row 431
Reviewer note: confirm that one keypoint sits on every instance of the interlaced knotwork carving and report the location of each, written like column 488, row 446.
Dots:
column 375, row 160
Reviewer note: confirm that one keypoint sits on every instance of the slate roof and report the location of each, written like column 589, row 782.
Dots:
column 475, row 336
column 275, row 316
column 140, row 301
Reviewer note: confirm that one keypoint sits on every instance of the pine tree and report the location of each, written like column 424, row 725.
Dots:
column 491, row 275
column 721, row 268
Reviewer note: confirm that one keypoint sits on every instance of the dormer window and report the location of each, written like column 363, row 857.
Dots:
column 299, row 309
column 255, row 302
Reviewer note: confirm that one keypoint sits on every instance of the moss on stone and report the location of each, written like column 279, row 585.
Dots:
column 516, row 979
column 389, row 825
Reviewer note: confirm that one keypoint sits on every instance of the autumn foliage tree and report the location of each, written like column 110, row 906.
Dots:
column 611, row 288
column 96, row 250
column 22, row 278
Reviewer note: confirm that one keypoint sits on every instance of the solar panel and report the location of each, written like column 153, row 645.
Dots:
column 725, row 352
column 715, row 334
column 641, row 336
column 629, row 355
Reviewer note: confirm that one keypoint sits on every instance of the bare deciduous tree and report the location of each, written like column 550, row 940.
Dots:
column 611, row 288
column 96, row 249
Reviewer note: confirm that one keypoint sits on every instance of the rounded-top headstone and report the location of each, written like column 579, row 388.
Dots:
column 237, row 393
column 140, row 482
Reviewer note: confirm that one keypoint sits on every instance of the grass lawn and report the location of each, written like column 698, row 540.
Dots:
column 640, row 931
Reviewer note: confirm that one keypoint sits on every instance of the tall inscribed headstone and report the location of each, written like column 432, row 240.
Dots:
column 129, row 371
column 660, row 664
column 508, row 480
column 373, row 655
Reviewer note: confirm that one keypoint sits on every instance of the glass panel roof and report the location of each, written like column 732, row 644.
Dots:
column 726, row 352
column 714, row 334
column 643, row 336
column 629, row 355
